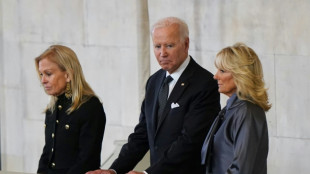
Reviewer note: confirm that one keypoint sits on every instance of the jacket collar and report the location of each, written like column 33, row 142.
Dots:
column 179, row 88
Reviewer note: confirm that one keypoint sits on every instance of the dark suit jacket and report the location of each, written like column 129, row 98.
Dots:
column 73, row 142
column 176, row 141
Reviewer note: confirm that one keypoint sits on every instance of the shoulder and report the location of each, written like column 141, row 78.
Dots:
column 156, row 77
column 200, row 78
column 91, row 102
column 158, row 74
column 198, row 68
column 92, row 109
column 199, row 73
column 247, row 112
column 252, row 109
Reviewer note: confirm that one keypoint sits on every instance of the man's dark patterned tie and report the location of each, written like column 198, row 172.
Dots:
column 163, row 96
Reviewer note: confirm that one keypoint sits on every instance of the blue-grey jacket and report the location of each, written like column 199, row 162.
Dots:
column 241, row 143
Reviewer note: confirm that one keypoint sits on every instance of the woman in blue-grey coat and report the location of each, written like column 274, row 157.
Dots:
column 238, row 140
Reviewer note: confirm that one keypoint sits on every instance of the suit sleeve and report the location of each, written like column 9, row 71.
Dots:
column 250, row 136
column 90, row 138
column 135, row 149
column 202, row 109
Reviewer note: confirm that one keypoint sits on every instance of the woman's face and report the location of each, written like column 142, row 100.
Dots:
column 225, row 82
column 53, row 79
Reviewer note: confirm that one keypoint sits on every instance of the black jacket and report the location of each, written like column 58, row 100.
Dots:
column 73, row 142
column 174, row 142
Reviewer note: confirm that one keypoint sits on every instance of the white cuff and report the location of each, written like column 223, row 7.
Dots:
column 145, row 172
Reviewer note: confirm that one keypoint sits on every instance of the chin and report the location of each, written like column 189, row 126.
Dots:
column 51, row 93
column 165, row 68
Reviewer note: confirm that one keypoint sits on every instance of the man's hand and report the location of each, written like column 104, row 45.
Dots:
column 99, row 171
column 135, row 172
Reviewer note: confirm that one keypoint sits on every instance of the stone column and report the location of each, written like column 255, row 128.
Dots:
column 143, row 45
column 1, row 75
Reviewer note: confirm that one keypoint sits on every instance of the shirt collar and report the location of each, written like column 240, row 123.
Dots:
column 231, row 100
column 177, row 73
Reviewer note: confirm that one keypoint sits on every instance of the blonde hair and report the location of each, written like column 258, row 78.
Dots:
column 166, row 22
column 247, row 73
column 67, row 61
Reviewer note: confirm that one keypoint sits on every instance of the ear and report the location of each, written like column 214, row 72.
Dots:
column 67, row 77
column 187, row 43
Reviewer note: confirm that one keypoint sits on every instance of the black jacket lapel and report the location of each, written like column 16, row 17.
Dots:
column 178, row 90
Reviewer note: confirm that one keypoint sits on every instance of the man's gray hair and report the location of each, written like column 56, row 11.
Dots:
column 165, row 22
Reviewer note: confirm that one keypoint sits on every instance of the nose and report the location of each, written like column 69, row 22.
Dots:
column 43, row 79
column 216, row 75
column 163, row 51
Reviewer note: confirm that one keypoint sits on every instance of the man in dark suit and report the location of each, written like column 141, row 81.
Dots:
column 172, row 129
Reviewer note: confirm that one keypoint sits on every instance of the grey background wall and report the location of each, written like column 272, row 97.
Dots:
column 112, row 41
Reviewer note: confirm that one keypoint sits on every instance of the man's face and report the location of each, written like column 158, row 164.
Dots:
column 169, row 48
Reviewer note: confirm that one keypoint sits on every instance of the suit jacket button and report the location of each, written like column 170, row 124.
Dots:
column 59, row 107
column 57, row 121
column 53, row 135
column 53, row 165
column 67, row 126
column 52, row 149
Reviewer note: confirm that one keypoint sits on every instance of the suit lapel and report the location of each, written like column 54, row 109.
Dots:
column 178, row 90
column 157, row 86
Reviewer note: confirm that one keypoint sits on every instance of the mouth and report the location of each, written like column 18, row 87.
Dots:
column 47, row 88
column 164, row 61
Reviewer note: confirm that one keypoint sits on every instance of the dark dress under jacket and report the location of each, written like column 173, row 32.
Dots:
column 175, row 141
column 73, row 142
column 241, row 143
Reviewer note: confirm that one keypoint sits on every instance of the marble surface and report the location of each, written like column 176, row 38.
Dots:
column 5, row 172
column 111, row 41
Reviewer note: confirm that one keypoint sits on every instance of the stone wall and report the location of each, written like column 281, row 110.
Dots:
column 111, row 39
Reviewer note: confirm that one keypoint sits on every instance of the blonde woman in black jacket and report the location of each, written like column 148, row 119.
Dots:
column 75, row 119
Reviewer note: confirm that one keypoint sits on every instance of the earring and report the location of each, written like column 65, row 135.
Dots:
column 68, row 92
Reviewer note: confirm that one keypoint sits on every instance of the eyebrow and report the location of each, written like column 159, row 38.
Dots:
column 46, row 70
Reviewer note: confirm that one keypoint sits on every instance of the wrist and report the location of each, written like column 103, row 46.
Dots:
column 112, row 170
